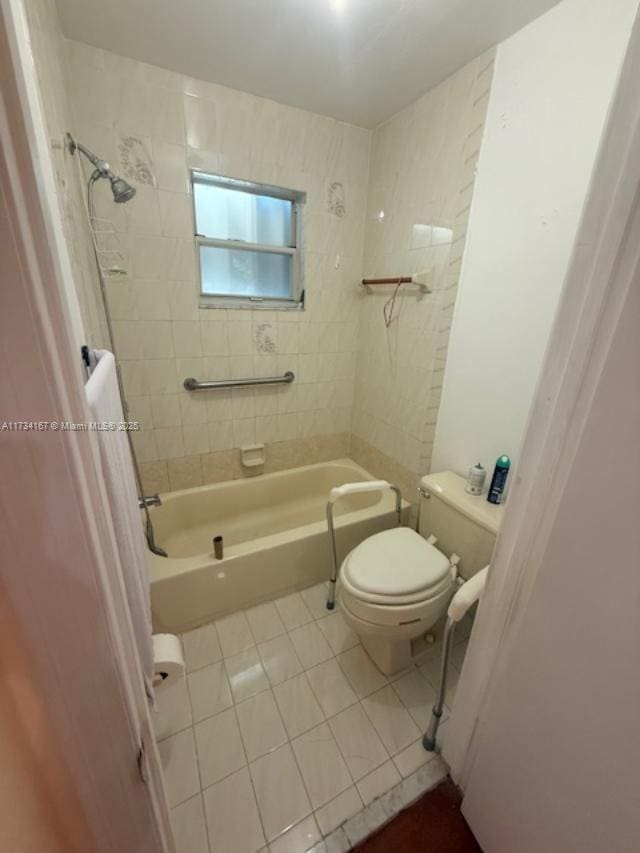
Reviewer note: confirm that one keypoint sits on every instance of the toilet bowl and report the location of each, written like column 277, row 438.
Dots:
column 393, row 588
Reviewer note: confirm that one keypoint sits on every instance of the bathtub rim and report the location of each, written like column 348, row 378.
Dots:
column 162, row 568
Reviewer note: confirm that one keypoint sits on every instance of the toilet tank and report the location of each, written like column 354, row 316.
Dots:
column 463, row 524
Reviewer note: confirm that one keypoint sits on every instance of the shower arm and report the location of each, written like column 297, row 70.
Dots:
column 101, row 166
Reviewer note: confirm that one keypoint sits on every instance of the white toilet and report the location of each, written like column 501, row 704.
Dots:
column 396, row 585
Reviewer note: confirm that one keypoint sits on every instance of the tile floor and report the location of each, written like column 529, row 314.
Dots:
column 284, row 729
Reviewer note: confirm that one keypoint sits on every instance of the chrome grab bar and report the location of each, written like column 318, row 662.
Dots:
column 192, row 384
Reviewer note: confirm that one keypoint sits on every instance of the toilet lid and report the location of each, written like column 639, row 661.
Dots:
column 395, row 563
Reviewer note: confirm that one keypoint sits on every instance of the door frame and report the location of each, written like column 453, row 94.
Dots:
column 593, row 295
column 74, row 672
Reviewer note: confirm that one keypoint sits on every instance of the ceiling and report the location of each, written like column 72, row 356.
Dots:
column 356, row 60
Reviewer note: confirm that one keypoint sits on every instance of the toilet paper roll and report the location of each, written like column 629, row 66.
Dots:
column 168, row 660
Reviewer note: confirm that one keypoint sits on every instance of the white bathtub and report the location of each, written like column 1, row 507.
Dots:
column 275, row 539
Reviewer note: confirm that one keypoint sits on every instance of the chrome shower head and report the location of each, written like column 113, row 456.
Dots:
column 121, row 190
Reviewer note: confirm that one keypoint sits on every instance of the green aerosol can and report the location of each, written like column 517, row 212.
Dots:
column 499, row 480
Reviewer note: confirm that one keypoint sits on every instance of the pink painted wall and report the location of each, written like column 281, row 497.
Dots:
column 558, row 747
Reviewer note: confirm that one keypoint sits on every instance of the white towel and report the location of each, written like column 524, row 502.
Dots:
column 103, row 397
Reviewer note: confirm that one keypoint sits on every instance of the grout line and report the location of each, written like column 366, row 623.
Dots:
column 289, row 740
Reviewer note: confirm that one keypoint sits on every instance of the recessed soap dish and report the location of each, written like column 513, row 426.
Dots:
column 252, row 455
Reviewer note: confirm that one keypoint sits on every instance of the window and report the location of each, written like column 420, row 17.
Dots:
column 248, row 243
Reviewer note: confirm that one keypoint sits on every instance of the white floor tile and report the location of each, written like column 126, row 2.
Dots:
column 209, row 690
column 234, row 634
column 260, row 725
column 323, row 769
column 331, row 688
column 293, row 611
column 220, row 749
column 378, row 782
column 315, row 597
column 280, row 792
column 232, row 815
column 298, row 839
column 173, row 709
column 452, row 685
column 417, row 695
column 246, row 674
column 364, row 676
column 335, row 812
column 298, row 706
column 279, row 659
column 311, row 647
column 180, row 767
column 391, row 719
column 431, row 665
column 411, row 757
column 265, row 623
column 359, row 743
column 189, row 828
column 458, row 654
column 201, row 647
column 337, row 633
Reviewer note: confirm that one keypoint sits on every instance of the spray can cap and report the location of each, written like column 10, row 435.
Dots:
column 503, row 462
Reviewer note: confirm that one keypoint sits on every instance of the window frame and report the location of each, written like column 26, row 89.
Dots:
column 295, row 302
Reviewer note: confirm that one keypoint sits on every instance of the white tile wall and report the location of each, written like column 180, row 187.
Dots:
column 420, row 185
column 161, row 334
column 353, row 375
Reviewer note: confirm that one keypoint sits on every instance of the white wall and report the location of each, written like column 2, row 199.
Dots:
column 557, row 749
column 552, row 87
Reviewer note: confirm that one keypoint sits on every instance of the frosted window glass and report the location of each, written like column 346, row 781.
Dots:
column 228, row 214
column 235, row 272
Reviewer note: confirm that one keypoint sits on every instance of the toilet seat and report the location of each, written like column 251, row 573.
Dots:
column 396, row 567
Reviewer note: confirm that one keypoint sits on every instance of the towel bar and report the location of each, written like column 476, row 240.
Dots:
column 192, row 384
